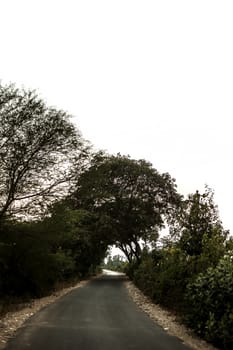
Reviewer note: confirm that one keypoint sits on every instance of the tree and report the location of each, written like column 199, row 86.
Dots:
column 75, row 233
column 35, row 255
column 198, row 225
column 131, row 196
column 37, row 147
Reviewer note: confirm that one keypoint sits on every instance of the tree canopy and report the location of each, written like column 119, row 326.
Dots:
column 198, row 222
column 37, row 146
column 130, row 196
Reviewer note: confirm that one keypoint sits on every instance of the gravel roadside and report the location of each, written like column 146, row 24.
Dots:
column 166, row 319
column 13, row 320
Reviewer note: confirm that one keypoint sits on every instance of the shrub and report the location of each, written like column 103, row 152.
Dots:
column 210, row 300
column 163, row 276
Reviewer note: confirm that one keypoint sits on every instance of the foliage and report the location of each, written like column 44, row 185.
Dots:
column 197, row 222
column 130, row 196
column 163, row 275
column 76, row 234
column 34, row 256
column 37, row 147
column 191, row 272
column 210, row 299
column 27, row 266
column 205, row 300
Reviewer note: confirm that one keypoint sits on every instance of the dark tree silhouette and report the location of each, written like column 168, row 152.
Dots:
column 37, row 147
column 131, row 196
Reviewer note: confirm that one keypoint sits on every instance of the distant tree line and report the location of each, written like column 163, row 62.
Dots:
column 62, row 205
column 115, row 263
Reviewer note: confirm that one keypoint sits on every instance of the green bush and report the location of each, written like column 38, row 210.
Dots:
column 163, row 276
column 29, row 264
column 144, row 275
column 210, row 300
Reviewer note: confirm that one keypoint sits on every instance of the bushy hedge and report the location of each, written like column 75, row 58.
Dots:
column 204, row 300
column 163, row 276
column 37, row 256
column 28, row 264
column 210, row 300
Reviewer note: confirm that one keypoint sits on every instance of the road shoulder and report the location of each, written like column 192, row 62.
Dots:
column 166, row 319
column 10, row 322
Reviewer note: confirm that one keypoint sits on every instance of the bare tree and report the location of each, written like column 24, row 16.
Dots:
column 37, row 148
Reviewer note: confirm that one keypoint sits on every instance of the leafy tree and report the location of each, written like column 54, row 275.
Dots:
column 35, row 255
column 75, row 232
column 198, row 243
column 198, row 224
column 130, row 197
column 37, row 146
column 28, row 266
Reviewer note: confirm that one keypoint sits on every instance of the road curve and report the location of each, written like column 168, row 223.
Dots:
column 99, row 315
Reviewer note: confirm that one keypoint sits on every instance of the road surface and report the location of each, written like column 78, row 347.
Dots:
column 99, row 315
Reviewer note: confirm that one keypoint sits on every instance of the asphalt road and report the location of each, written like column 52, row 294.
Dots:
column 99, row 315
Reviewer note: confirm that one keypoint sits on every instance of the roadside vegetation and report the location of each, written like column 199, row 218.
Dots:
column 191, row 273
column 44, row 240
column 62, row 205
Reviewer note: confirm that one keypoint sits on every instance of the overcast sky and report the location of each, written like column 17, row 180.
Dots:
column 152, row 79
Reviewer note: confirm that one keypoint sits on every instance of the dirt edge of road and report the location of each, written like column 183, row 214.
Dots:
column 15, row 319
column 166, row 319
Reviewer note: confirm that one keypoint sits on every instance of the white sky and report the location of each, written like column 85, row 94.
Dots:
column 152, row 79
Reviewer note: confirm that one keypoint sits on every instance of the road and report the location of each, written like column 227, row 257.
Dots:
column 99, row 315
